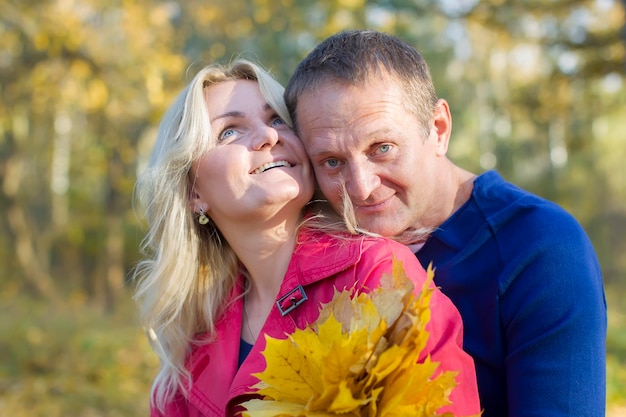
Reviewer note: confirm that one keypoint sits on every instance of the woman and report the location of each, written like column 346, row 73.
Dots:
column 235, row 250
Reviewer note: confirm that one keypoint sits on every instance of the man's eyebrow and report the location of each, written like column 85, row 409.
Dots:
column 317, row 153
column 376, row 134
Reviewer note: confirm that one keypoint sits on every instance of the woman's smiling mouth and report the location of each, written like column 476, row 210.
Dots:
column 271, row 165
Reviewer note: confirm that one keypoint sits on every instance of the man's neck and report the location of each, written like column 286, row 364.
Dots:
column 415, row 247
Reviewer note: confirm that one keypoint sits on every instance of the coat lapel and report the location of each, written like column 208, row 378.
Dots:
column 213, row 364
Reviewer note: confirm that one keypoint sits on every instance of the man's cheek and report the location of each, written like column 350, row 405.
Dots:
column 331, row 189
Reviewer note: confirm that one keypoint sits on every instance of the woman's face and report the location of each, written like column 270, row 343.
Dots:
column 258, row 170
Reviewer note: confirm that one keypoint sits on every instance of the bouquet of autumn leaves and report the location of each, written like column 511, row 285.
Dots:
column 360, row 358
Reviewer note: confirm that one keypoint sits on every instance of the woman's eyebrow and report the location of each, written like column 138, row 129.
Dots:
column 229, row 114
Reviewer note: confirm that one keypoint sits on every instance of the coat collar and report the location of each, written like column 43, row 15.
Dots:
column 316, row 257
column 319, row 255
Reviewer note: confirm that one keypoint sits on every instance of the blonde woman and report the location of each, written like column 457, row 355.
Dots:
column 235, row 248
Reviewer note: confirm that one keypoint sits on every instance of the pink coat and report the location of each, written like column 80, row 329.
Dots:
column 320, row 265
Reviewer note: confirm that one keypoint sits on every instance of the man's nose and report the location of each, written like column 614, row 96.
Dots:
column 362, row 181
column 265, row 136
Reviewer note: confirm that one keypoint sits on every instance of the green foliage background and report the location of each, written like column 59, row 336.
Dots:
column 537, row 90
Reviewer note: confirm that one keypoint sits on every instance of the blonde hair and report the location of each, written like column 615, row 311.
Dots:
column 189, row 270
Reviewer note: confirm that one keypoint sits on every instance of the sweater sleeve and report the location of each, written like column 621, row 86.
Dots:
column 445, row 327
column 525, row 277
column 553, row 316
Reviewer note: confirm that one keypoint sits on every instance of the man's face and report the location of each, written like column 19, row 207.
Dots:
column 365, row 137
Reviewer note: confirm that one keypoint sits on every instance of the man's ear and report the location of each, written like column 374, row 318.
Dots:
column 442, row 125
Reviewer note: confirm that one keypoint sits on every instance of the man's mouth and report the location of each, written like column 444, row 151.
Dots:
column 271, row 165
column 379, row 205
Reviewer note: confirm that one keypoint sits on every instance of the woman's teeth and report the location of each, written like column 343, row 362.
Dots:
column 270, row 165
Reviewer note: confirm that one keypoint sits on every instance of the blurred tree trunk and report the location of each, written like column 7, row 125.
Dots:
column 112, row 282
column 31, row 235
column 32, row 253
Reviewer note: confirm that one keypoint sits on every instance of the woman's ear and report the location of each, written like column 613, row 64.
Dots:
column 196, row 203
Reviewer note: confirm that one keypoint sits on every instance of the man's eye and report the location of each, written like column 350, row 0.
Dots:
column 277, row 121
column 384, row 148
column 331, row 163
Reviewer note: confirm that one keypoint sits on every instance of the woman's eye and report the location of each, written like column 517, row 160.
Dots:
column 225, row 134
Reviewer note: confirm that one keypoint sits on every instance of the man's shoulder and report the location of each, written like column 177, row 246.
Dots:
column 510, row 210
column 490, row 187
column 498, row 198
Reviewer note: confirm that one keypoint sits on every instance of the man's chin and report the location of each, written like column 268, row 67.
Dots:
column 401, row 234
column 412, row 236
column 380, row 229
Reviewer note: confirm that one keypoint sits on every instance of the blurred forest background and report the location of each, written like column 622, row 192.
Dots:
column 537, row 90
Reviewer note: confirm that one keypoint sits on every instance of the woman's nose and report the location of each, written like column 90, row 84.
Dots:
column 266, row 136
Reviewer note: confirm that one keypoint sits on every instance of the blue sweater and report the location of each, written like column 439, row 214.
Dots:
column 527, row 282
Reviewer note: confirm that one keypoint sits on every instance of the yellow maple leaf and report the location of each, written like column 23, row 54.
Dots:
column 360, row 358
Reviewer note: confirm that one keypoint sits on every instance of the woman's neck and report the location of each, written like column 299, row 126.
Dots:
column 266, row 257
column 265, row 254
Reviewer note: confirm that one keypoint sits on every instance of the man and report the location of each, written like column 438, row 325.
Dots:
column 520, row 269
